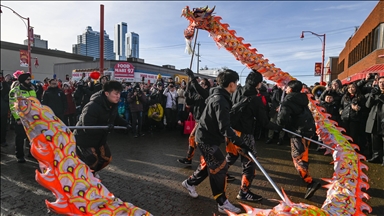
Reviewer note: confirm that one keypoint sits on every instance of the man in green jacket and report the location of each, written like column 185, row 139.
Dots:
column 25, row 89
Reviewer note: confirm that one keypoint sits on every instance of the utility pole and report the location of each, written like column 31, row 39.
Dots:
column 198, row 57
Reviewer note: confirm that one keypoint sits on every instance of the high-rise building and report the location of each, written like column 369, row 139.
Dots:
column 88, row 44
column 132, row 45
column 37, row 42
column 120, row 41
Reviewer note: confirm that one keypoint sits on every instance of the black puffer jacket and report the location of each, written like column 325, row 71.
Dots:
column 291, row 114
column 375, row 121
column 98, row 112
column 56, row 100
column 255, row 109
column 347, row 113
column 214, row 124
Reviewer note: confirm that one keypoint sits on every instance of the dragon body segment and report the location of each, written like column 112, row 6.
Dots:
column 77, row 191
column 344, row 195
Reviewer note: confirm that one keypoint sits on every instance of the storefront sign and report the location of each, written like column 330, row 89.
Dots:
column 124, row 70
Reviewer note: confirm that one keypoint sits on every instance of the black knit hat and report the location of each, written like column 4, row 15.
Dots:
column 23, row 77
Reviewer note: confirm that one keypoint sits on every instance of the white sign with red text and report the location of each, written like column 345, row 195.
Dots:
column 124, row 70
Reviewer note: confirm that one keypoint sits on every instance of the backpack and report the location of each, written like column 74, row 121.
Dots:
column 305, row 123
column 236, row 110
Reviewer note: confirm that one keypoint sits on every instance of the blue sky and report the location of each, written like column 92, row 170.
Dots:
column 272, row 27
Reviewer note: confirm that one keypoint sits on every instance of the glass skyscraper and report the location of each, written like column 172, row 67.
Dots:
column 133, row 45
column 88, row 44
column 120, row 41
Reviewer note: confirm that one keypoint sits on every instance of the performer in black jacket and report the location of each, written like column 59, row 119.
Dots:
column 212, row 130
column 295, row 116
column 101, row 110
column 244, row 126
column 196, row 95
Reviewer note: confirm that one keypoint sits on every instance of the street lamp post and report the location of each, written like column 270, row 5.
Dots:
column 29, row 31
column 323, row 51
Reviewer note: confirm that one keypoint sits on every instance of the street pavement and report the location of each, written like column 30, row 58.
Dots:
column 144, row 172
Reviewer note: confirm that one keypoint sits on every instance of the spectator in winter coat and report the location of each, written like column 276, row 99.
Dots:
column 171, row 106
column 155, row 115
column 335, row 89
column 5, row 88
column 352, row 115
column 295, row 116
column 375, row 122
column 70, row 111
column 55, row 99
column 99, row 85
column 331, row 107
column 136, row 99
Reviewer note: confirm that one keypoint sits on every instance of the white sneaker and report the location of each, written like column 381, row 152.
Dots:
column 229, row 207
column 191, row 189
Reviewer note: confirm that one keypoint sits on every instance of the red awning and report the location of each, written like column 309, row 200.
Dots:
column 377, row 68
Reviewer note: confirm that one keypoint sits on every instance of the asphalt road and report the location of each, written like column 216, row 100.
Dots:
column 144, row 172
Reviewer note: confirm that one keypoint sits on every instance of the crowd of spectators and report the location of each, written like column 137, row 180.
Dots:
column 163, row 105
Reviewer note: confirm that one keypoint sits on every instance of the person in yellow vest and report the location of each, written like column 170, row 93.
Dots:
column 155, row 114
column 25, row 89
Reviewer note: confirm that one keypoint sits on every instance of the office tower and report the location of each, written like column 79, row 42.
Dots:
column 37, row 42
column 132, row 45
column 88, row 44
column 119, row 47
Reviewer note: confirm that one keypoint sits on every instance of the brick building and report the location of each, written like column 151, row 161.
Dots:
column 362, row 50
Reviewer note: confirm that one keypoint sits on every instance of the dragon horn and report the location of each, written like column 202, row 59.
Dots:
column 211, row 11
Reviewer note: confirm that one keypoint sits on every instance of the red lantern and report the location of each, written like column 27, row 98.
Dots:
column 94, row 75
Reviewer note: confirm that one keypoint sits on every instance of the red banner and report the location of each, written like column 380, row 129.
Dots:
column 31, row 35
column 318, row 69
column 24, row 58
column 124, row 70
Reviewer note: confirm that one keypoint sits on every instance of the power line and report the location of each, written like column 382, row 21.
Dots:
column 266, row 41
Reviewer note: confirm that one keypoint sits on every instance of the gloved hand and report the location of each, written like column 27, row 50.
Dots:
column 238, row 141
column 189, row 72
column 110, row 127
column 375, row 90
column 246, row 149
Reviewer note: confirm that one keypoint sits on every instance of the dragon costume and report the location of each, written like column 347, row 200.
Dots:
column 345, row 195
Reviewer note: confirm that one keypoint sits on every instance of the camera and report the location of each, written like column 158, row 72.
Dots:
column 137, row 89
column 354, row 101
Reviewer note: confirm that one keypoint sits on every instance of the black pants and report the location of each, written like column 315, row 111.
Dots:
column 137, row 119
column 212, row 165
column 3, row 128
column 378, row 146
column 249, row 167
column 155, row 125
column 19, row 140
column 354, row 129
column 95, row 157
column 171, row 118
